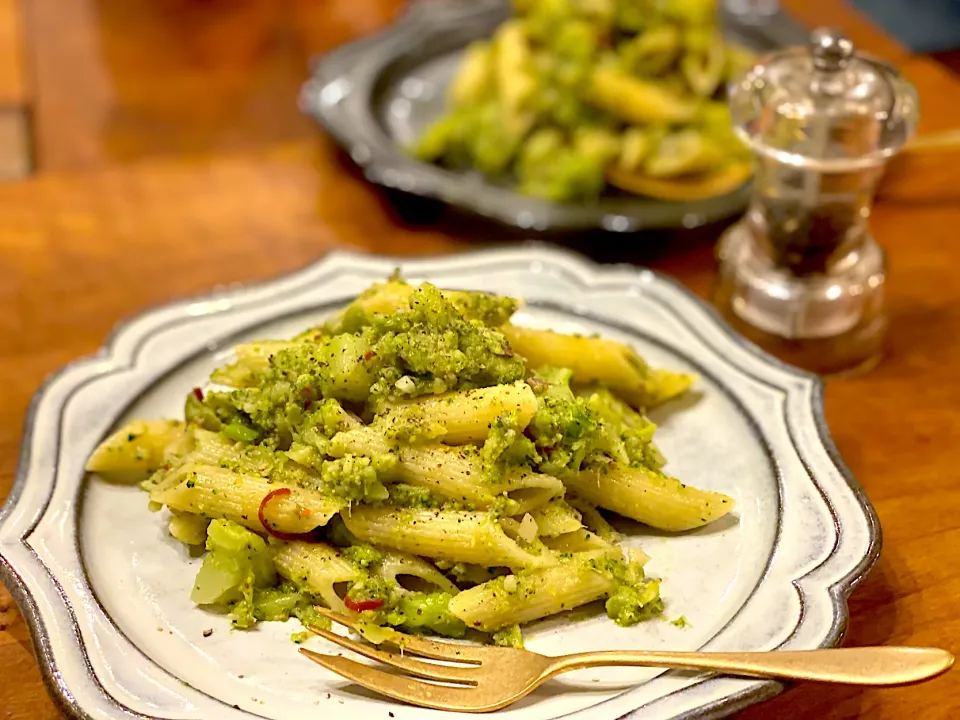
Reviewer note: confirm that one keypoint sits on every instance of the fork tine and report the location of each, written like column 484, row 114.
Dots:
column 430, row 671
column 420, row 646
column 415, row 692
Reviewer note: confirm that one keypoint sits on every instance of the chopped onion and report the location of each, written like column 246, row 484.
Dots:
column 405, row 385
column 528, row 528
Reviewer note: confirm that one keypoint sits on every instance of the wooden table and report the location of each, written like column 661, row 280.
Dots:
column 170, row 158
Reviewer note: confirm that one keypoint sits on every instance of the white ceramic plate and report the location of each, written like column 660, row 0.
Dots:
column 105, row 590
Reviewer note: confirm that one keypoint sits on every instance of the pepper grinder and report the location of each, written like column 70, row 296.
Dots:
column 799, row 274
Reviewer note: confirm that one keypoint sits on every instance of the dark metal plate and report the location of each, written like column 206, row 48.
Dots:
column 377, row 95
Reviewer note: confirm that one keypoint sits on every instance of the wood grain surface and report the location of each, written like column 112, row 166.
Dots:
column 15, row 150
column 13, row 73
column 172, row 160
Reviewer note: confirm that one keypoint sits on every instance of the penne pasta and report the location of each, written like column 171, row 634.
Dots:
column 458, row 418
column 599, row 360
column 581, row 540
column 468, row 537
column 458, row 474
column 220, row 493
column 555, row 518
column 318, row 568
column 516, row 85
column 592, row 519
column 650, row 497
column 591, row 359
column 401, row 568
column 138, row 447
column 473, row 80
column 455, row 473
column 468, row 574
column 636, row 100
column 531, row 595
column 188, row 528
column 665, row 385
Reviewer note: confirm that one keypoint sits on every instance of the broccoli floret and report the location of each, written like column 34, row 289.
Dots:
column 563, row 428
column 352, row 478
column 630, row 604
column 427, row 611
column 509, row 637
column 363, row 555
column 506, row 446
column 237, row 564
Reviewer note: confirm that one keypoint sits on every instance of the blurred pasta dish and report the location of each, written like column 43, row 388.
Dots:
column 570, row 95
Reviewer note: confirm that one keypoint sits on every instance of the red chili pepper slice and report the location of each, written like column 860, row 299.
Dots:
column 279, row 492
column 369, row 354
column 198, row 393
column 361, row 605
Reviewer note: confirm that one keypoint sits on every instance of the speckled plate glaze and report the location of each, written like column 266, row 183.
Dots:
column 105, row 590
column 377, row 95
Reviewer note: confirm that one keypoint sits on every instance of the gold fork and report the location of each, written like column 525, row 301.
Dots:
column 489, row 678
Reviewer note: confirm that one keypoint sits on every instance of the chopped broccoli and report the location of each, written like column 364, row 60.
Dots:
column 237, row 563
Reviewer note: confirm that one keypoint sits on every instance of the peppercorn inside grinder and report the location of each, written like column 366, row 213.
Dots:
column 799, row 274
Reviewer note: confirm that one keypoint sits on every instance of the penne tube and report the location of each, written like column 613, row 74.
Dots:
column 665, row 385
column 703, row 69
column 593, row 359
column 636, row 100
column 138, row 447
column 529, row 498
column 455, row 473
column 687, row 152
column 216, row 492
column 516, row 84
column 316, row 567
column 458, row 418
column 592, row 519
column 399, row 567
column 581, row 540
column 468, row 537
column 362, row 440
column 458, row 474
column 474, row 78
column 555, row 518
column 532, row 594
column 188, row 528
column 210, row 448
column 650, row 497
column 467, row 574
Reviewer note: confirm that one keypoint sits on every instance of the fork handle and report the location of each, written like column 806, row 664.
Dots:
column 888, row 665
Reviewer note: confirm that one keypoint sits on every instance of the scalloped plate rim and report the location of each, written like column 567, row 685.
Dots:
column 759, row 691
